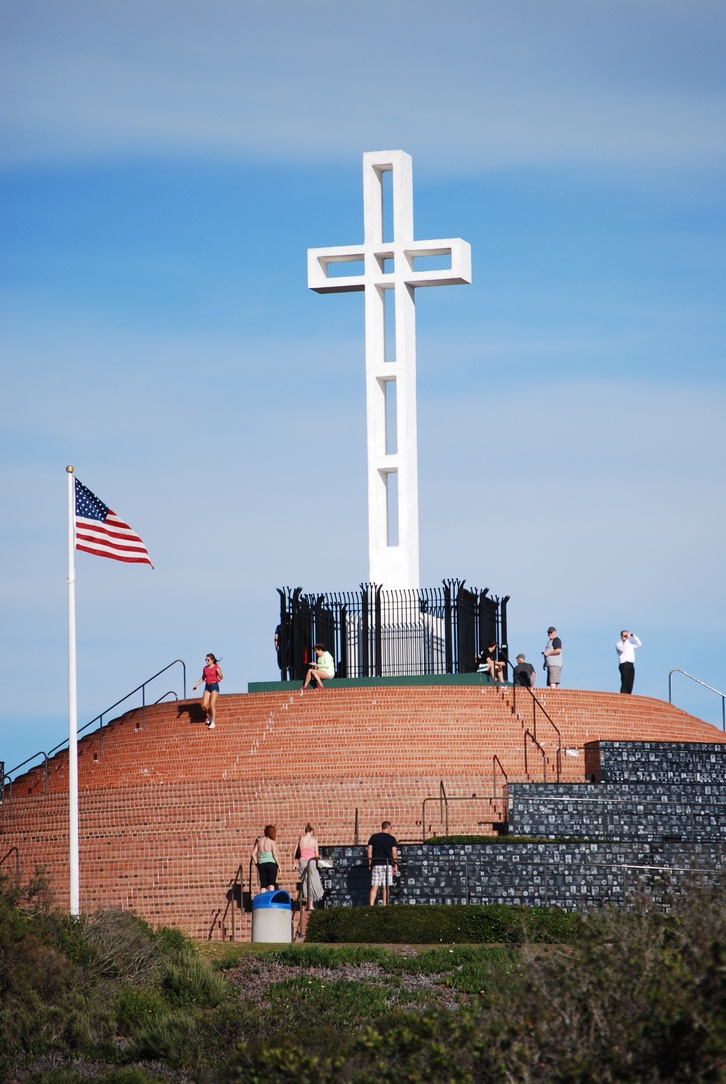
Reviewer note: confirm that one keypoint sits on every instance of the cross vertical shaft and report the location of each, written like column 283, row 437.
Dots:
column 389, row 278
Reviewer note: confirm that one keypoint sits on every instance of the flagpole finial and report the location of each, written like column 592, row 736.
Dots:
column 69, row 470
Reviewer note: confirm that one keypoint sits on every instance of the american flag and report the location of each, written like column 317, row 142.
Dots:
column 100, row 531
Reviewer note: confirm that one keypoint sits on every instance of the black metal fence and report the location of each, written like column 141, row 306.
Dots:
column 378, row 633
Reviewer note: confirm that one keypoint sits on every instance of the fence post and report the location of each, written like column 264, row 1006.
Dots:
column 365, row 630
column 448, row 637
column 379, row 632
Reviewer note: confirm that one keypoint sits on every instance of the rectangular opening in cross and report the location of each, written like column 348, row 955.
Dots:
column 389, row 325
column 391, row 479
column 342, row 268
column 438, row 261
column 386, row 177
column 390, row 407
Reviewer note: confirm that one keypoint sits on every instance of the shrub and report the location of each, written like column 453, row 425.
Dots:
column 641, row 999
column 124, row 945
column 193, row 981
column 71, row 1074
column 136, row 1005
column 487, row 923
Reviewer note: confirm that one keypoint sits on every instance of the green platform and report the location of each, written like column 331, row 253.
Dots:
column 372, row 682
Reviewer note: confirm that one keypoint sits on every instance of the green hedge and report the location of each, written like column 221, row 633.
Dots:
column 495, row 923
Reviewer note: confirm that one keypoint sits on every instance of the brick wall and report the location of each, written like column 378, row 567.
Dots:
column 169, row 810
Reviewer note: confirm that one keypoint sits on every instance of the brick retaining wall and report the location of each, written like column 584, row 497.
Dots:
column 168, row 809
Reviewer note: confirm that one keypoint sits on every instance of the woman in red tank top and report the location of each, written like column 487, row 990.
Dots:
column 211, row 676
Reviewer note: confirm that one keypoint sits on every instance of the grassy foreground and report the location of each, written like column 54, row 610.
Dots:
column 635, row 998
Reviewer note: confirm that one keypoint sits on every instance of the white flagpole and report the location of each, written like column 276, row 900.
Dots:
column 72, row 701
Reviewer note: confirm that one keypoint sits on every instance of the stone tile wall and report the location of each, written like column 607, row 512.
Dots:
column 574, row 876
column 651, row 791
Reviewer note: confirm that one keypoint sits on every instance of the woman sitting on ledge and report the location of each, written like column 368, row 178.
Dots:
column 488, row 663
column 320, row 670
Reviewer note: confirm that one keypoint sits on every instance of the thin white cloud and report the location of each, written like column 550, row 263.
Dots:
column 466, row 86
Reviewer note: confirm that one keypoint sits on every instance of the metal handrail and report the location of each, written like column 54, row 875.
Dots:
column 230, row 903
column 443, row 804
column 537, row 704
column 495, row 761
column 677, row 670
column 99, row 718
column 10, row 782
column 528, row 734
column 169, row 692
column 17, row 861
column 458, row 798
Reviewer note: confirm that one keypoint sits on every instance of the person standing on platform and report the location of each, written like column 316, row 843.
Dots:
column 524, row 673
column 211, row 676
column 553, row 658
column 382, row 862
column 625, row 648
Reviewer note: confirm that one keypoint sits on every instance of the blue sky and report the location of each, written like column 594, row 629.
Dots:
column 163, row 169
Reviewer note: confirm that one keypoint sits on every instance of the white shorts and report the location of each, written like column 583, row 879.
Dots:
column 378, row 875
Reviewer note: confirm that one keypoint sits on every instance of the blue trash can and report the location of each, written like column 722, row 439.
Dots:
column 272, row 917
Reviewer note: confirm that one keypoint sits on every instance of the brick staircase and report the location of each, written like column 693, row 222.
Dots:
column 169, row 810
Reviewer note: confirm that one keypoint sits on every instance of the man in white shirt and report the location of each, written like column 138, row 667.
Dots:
column 625, row 648
column 553, row 658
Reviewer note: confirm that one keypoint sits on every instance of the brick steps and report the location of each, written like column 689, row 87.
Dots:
column 169, row 809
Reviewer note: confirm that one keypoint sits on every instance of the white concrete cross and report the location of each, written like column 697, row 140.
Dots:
column 389, row 278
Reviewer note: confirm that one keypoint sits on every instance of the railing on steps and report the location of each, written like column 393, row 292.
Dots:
column 444, row 802
column 235, row 898
column 215, row 920
column 16, row 852
column 99, row 719
column 528, row 734
column 536, row 704
column 704, row 685
column 10, row 782
column 170, row 692
column 496, row 761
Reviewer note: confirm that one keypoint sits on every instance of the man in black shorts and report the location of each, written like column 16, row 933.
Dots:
column 382, row 862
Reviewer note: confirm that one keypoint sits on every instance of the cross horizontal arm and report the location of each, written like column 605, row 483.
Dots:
column 320, row 258
column 402, row 257
column 458, row 272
